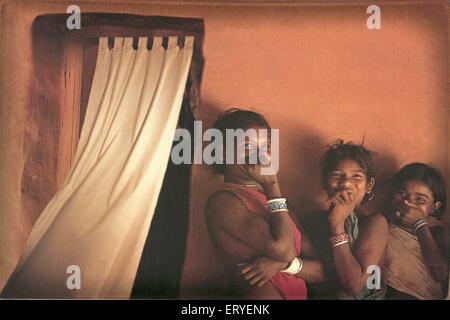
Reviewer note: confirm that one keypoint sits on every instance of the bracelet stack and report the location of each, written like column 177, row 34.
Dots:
column 419, row 224
column 294, row 267
column 339, row 239
column 277, row 205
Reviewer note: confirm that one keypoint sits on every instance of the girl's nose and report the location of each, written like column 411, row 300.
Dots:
column 407, row 201
column 345, row 183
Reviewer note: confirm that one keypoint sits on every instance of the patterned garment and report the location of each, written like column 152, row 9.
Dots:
column 405, row 268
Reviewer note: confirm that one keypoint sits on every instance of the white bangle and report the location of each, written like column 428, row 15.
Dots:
column 294, row 267
column 340, row 243
column 276, row 200
column 277, row 205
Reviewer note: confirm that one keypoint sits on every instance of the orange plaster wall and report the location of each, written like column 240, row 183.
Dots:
column 319, row 74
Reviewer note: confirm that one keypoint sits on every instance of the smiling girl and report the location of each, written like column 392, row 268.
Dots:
column 416, row 265
column 348, row 240
column 249, row 221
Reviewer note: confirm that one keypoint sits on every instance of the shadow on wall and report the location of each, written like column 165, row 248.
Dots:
column 299, row 173
column 387, row 167
column 203, row 275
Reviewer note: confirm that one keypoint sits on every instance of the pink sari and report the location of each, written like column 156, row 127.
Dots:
column 289, row 286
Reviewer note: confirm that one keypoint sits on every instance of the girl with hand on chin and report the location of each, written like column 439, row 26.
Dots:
column 248, row 221
column 351, row 243
column 416, row 262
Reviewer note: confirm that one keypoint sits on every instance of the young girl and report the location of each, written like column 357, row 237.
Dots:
column 248, row 221
column 348, row 241
column 416, row 263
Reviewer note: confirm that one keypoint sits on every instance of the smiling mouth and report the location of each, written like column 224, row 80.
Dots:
column 344, row 189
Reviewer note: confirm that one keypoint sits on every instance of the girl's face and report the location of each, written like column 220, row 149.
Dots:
column 254, row 145
column 416, row 192
column 350, row 177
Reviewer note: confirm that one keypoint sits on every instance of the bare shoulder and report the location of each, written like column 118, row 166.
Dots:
column 376, row 222
column 373, row 239
column 220, row 204
column 378, row 219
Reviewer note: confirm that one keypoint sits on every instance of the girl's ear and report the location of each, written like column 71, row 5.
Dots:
column 370, row 184
column 437, row 205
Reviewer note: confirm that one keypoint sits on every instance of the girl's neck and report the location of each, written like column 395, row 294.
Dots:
column 238, row 179
column 360, row 212
column 245, row 182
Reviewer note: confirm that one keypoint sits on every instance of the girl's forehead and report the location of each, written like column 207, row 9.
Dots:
column 348, row 164
column 417, row 186
column 260, row 136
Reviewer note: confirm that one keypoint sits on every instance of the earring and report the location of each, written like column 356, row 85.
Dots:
column 370, row 195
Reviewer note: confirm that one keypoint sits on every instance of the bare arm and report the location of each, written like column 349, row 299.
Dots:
column 432, row 244
column 308, row 250
column 263, row 268
column 313, row 271
column 225, row 211
column 370, row 249
column 434, row 258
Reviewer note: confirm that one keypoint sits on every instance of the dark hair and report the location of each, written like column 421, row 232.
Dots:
column 235, row 118
column 339, row 151
column 426, row 174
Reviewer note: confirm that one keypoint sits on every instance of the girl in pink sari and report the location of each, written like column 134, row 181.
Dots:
column 250, row 224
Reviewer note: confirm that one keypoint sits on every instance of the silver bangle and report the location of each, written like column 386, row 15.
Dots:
column 419, row 225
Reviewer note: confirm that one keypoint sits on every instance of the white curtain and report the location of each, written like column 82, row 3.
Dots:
column 99, row 219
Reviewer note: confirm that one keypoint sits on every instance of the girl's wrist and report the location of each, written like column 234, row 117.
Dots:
column 272, row 190
column 283, row 265
column 337, row 228
column 419, row 226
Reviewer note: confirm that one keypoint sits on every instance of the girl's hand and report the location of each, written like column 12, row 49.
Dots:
column 261, row 270
column 341, row 205
column 254, row 172
column 410, row 214
column 434, row 222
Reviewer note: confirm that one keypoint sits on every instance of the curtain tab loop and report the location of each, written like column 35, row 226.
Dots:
column 118, row 42
column 157, row 42
column 173, row 42
column 103, row 43
column 142, row 44
column 128, row 43
column 189, row 42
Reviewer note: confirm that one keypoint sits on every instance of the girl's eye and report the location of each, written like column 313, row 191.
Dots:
column 335, row 175
column 358, row 177
column 248, row 146
column 266, row 147
column 421, row 201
